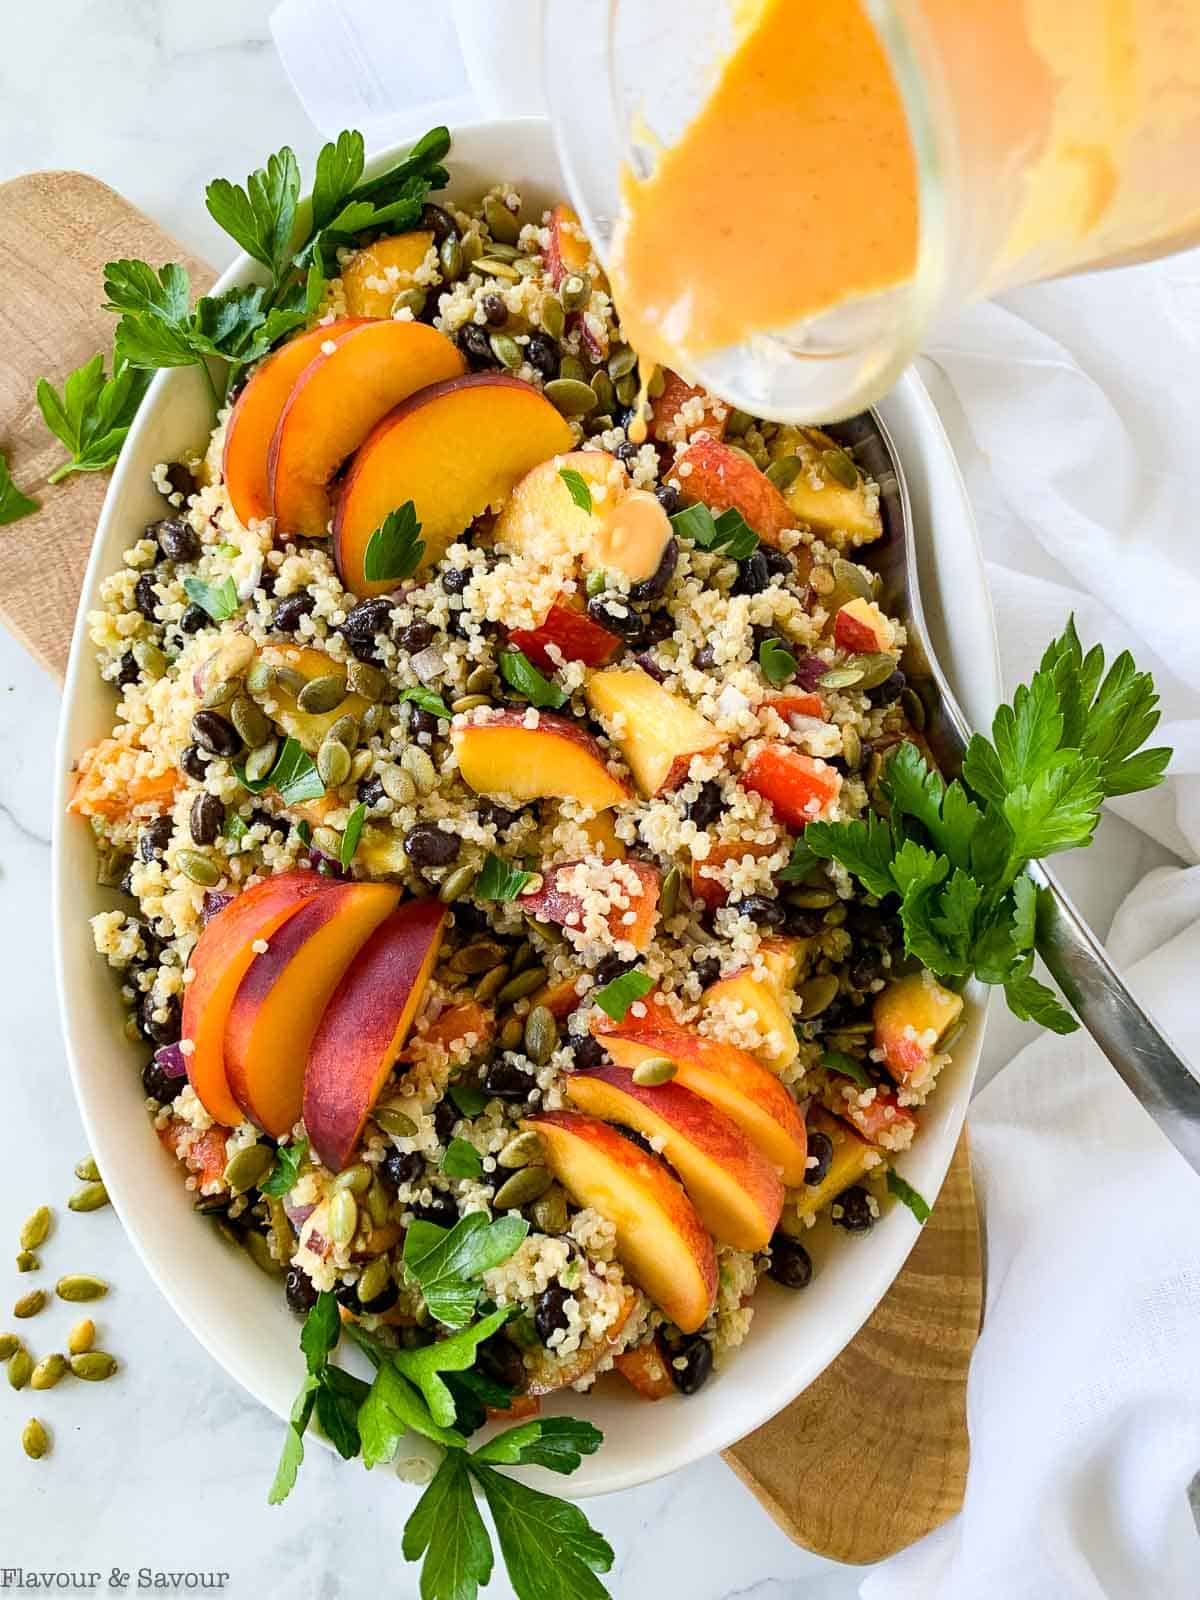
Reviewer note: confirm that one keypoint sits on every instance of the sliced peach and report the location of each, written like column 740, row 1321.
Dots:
column 730, row 1182
column 219, row 962
column 568, row 250
column 256, row 414
column 723, row 479
column 501, row 756
column 800, row 788
column 337, row 400
column 307, row 727
column 364, row 1027
column 912, row 1015
column 548, row 1372
column 861, row 626
column 664, row 411
column 633, row 886
column 645, row 1369
column 852, row 1158
column 381, row 852
column 831, row 507
column 280, row 1001
column 375, row 275
column 661, row 1242
column 659, row 733
column 762, row 1003
column 602, row 832
column 455, row 449
column 461, row 1029
column 572, row 633
column 705, row 885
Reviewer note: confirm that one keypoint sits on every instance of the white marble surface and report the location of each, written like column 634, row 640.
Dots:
column 168, row 1465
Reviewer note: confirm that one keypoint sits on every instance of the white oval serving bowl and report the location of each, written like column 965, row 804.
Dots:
column 238, row 1314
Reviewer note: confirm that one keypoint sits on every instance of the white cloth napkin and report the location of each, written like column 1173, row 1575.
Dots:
column 1075, row 413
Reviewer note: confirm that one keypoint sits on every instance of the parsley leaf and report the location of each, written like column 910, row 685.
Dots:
column 339, row 167
column 839, row 1061
column 394, row 551
column 93, row 414
column 499, row 880
column 616, row 997
column 13, row 504
column 318, row 1336
column 864, row 848
column 285, row 1174
column 294, row 775
column 558, row 1443
column 1034, row 1002
column 577, row 487
column 777, row 661
column 352, row 833
column 550, row 1549
column 469, row 1098
column 801, row 864
column 458, row 1353
column 293, row 1444
column 728, row 535
column 461, row 1160
column 520, row 674
column 446, row 1528
column 447, row 1263
column 260, row 216
column 427, row 700
column 393, row 1406
column 905, row 1192
column 339, row 1399
column 219, row 600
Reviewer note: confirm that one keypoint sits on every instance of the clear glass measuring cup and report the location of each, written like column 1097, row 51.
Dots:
column 1045, row 137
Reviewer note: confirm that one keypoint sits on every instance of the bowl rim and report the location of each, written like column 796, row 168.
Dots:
column 747, row 1409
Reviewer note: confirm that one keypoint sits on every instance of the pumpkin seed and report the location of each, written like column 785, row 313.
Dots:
column 87, row 1171
column 30, row 1304
column 457, row 883
column 654, row 1070
column 550, row 1212
column 365, row 680
column 219, row 693
column 914, row 708
column 9, row 1345
column 522, row 985
column 420, row 768
column 811, row 899
column 784, row 471
column 575, row 291
column 495, row 268
column 372, row 720
column 840, row 467
column 343, row 1217
column 482, row 679
column 93, row 1366
column 450, row 258
column 360, row 764
column 398, row 785
column 321, row 694
column 376, row 1276
column 736, row 423
column 36, row 1229
column 328, row 841
column 81, row 1286
column 657, row 383
column 344, row 731
column 258, row 1248
column 571, row 367
column 553, row 316
column 501, row 222
column 198, row 868
column 260, row 677
column 523, row 1151
column 249, row 1167
column 506, row 350
column 851, row 748
column 512, row 1033
column 250, row 721
column 410, row 299
column 668, row 898
column 491, row 983
column 541, row 1035
column 523, row 954
column 872, row 669
column 472, row 248
column 479, row 956
column 627, row 388
column 835, row 916
column 571, row 396
column 602, row 388
column 35, row 1441
column 356, row 1178
column 81, row 1337
column 848, row 575
column 261, row 760
column 528, row 266
column 27, row 1261
column 20, row 1367
column 333, row 763
column 469, row 702
column 394, row 1121
column 529, row 1184
column 817, row 995
column 150, row 658
column 49, row 1370
column 622, row 359
column 822, row 580
column 378, row 1204
column 840, row 678
column 290, row 681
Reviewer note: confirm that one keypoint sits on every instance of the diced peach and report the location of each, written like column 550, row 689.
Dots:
column 665, row 409
column 280, row 1001
column 458, row 1024
column 364, row 1027
column 309, row 728
column 559, row 999
column 911, row 1016
column 521, row 1407
column 375, row 275
column 884, row 1121
column 705, row 885
column 659, row 733
column 851, row 1160
column 219, row 961
column 547, row 1372
column 730, row 1182
column 114, row 777
column 602, row 833
column 862, row 627
column 723, row 479
column 568, row 250
column 336, row 401
column 559, row 905
column 763, row 1005
column 660, row 1240
column 572, row 632
column 785, row 958
column 501, row 756
column 797, row 705
column 205, row 1154
column 799, row 788
column 455, row 449
column 645, row 1369
column 831, row 507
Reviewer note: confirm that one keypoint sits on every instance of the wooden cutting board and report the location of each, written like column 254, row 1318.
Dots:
column 874, row 1454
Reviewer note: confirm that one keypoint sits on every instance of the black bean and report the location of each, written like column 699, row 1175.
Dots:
column 779, row 565
column 501, row 1361
column 705, row 657
column 416, row 636
column 863, row 973
column 550, row 1311
column 299, row 1290
column 791, row 1264
column 371, row 792
column 609, row 968
column 542, row 355
column 182, row 479
column 494, row 310
column 707, row 971
column 648, row 664
column 707, row 806
column 696, row 1354
column 587, row 1052
column 652, row 587
column 160, row 1032
column 207, row 819
column 260, row 817
column 368, row 618
column 154, row 838
column 804, row 924
column 363, row 650
column 441, row 1211
column 401, row 1166
column 660, row 625
column 852, row 1210
column 753, row 576
column 437, row 222
column 890, row 689
column 192, row 762
column 669, row 498
column 427, row 845
column 820, row 1145
column 505, row 1080
column 617, row 617
column 176, row 539
column 454, row 581
column 468, row 918
column 760, row 636
column 473, row 342
column 445, row 1119
column 627, row 452
column 213, row 733
column 383, row 1301
column 290, row 609
column 500, row 817
column 159, row 1085
column 346, row 1294
column 193, row 619
column 760, row 908
column 420, row 721
column 130, row 671
column 145, row 597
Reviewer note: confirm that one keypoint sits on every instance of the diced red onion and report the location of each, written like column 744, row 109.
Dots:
column 428, row 664
column 169, row 1058
column 298, row 1215
column 212, row 903
column 648, row 664
column 809, row 671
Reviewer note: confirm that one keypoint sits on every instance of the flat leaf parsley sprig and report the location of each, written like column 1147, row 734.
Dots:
column 957, row 854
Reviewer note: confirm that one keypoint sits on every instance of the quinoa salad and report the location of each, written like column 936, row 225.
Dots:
column 474, row 691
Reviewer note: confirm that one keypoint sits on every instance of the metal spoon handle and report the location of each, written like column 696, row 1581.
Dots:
column 1135, row 1045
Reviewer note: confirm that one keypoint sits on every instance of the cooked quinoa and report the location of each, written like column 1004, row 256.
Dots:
column 179, row 833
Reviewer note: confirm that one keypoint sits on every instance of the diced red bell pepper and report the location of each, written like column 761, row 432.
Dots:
column 566, row 909
column 646, row 1370
column 573, row 632
column 522, row 1406
column 797, row 705
column 798, row 787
